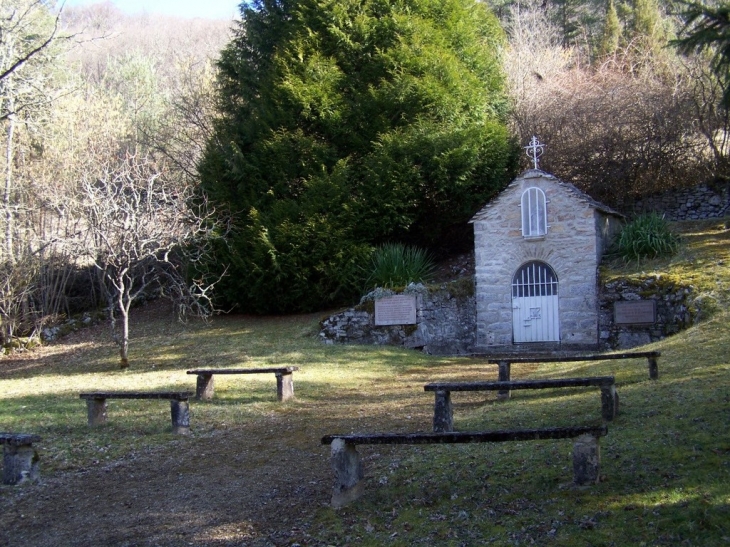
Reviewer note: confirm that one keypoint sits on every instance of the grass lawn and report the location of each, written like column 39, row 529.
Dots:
column 665, row 463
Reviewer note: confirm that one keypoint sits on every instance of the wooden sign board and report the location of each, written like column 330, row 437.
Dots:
column 634, row 312
column 399, row 309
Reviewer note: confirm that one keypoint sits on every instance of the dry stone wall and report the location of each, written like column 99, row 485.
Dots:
column 676, row 310
column 445, row 321
column 446, row 317
column 697, row 203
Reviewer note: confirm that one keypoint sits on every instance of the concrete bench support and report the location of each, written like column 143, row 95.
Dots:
column 96, row 411
column 653, row 366
column 284, row 386
column 180, row 413
column 348, row 468
column 205, row 387
column 96, row 408
column 503, row 375
column 586, row 460
column 284, row 380
column 443, row 413
column 20, row 459
column 348, row 473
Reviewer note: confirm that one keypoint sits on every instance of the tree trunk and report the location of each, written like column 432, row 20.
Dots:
column 123, row 303
column 8, row 190
column 124, row 342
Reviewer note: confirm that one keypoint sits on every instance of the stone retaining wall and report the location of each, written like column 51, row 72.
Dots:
column 446, row 317
column 445, row 321
column 704, row 201
column 676, row 310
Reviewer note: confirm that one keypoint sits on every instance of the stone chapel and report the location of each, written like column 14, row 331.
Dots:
column 538, row 246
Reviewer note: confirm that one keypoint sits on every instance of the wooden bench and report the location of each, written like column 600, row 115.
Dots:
column 443, row 413
column 179, row 408
column 348, row 468
column 504, row 362
column 20, row 459
column 284, row 380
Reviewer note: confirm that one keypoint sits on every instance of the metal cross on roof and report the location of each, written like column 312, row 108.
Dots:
column 535, row 150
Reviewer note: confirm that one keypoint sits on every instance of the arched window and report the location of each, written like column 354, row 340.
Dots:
column 534, row 279
column 534, row 213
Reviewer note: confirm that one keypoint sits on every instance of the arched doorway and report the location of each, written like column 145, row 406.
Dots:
column 535, row 304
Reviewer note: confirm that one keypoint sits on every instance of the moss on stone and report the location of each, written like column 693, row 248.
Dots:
column 461, row 288
column 366, row 306
column 409, row 329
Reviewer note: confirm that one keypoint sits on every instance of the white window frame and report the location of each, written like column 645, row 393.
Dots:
column 534, row 213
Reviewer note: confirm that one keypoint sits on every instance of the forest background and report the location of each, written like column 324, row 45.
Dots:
column 108, row 119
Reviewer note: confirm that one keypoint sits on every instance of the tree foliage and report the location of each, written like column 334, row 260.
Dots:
column 707, row 28
column 345, row 124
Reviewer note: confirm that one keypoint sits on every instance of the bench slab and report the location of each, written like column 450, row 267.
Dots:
column 18, row 439
column 505, row 360
column 348, row 468
column 179, row 407
column 521, row 384
column 470, row 436
column 275, row 370
column 443, row 410
column 205, row 387
column 553, row 358
column 173, row 395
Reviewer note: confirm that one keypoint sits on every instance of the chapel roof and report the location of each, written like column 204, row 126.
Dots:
column 537, row 173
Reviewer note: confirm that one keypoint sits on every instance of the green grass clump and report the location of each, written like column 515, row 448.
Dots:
column 397, row 265
column 648, row 236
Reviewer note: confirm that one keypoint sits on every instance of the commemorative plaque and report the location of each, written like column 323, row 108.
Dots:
column 399, row 309
column 634, row 312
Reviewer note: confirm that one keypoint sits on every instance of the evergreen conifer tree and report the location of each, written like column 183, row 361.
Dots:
column 345, row 124
column 611, row 36
column 707, row 28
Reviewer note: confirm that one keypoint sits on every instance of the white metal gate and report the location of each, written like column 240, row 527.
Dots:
column 535, row 304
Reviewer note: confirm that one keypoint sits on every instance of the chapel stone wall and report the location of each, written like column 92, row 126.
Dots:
column 571, row 247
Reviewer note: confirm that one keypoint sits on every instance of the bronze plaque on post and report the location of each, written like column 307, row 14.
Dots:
column 399, row 309
column 634, row 312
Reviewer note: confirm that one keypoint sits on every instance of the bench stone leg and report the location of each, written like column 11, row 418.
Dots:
column 204, row 387
column 504, row 376
column 609, row 402
column 653, row 368
column 586, row 460
column 348, row 470
column 443, row 412
column 180, row 411
column 20, row 463
column 284, row 386
column 96, row 410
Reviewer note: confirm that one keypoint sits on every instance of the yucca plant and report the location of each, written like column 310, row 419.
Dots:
column 397, row 265
column 647, row 236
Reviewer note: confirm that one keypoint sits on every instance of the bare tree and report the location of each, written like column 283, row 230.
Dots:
column 622, row 128
column 144, row 232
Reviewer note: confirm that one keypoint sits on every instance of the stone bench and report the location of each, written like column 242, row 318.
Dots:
column 504, row 362
column 443, row 413
column 348, row 468
column 20, row 459
column 179, row 408
column 284, row 380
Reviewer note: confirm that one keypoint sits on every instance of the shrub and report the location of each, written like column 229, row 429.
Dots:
column 648, row 236
column 396, row 265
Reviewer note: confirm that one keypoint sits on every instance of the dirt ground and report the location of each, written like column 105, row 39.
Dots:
column 251, row 484
column 193, row 491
